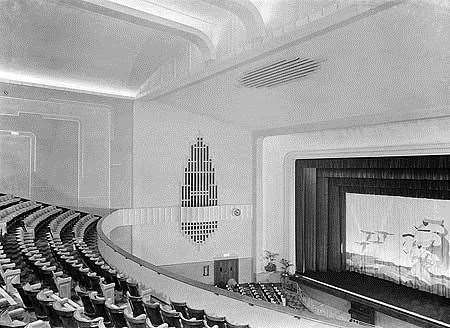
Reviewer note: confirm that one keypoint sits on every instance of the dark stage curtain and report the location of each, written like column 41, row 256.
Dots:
column 321, row 186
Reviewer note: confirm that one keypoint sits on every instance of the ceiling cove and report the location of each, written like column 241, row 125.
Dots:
column 126, row 47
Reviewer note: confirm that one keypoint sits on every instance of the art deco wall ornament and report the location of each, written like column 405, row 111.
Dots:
column 199, row 188
column 199, row 195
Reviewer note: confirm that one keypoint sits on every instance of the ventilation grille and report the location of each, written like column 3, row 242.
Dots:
column 199, row 231
column 281, row 72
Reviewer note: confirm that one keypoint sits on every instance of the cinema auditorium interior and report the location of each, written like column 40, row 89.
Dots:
column 225, row 163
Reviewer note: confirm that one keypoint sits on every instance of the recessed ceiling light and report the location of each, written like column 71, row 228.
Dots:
column 58, row 84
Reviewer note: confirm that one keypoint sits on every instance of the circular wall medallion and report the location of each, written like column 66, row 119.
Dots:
column 236, row 211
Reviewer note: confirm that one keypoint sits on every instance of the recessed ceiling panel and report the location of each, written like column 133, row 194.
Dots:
column 55, row 42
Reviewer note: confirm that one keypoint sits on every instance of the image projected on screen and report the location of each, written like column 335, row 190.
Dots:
column 401, row 239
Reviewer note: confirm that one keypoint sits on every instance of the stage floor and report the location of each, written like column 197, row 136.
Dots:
column 413, row 300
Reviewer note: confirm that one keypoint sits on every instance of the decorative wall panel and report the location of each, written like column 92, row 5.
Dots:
column 199, row 188
column 152, row 226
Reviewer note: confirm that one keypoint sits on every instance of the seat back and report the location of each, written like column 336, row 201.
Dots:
column 133, row 288
column 11, row 277
column 84, row 321
column 95, row 283
column 220, row 322
column 180, row 307
column 89, row 308
column 136, row 304
column 123, row 284
column 192, row 323
column 196, row 313
column 64, row 286
column 108, row 291
column 53, row 317
column 153, row 311
column 116, row 314
column 65, row 314
column 172, row 318
column 100, row 309
column 135, row 322
column 25, row 299
column 39, row 311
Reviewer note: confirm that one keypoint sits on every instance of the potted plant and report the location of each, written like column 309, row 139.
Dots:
column 285, row 265
column 270, row 258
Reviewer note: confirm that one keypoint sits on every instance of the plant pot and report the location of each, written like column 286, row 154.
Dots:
column 271, row 267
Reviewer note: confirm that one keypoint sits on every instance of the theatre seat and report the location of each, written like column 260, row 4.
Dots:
column 171, row 317
column 192, row 323
column 211, row 320
column 89, row 309
column 133, row 288
column 84, row 321
column 135, row 322
column 65, row 313
column 123, row 285
column 149, row 325
column 136, row 304
column 25, row 299
column 116, row 314
column 180, row 307
column 100, row 309
column 31, row 291
column 44, row 297
column 198, row 314
column 153, row 311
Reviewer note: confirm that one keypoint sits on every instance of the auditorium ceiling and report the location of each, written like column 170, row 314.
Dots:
column 375, row 55
column 393, row 62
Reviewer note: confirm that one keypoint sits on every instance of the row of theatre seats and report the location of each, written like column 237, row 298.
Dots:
column 52, row 275
column 269, row 292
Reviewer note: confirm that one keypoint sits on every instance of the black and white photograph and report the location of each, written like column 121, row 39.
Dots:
column 224, row 163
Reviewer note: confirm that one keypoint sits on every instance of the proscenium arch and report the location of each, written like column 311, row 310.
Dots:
column 138, row 17
column 248, row 14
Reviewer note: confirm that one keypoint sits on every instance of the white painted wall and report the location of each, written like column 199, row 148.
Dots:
column 83, row 144
column 161, row 146
column 156, row 234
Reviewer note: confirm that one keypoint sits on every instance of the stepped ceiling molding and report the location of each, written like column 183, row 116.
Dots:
column 378, row 57
column 127, row 48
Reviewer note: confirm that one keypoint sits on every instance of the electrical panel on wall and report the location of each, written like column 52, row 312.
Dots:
column 199, row 188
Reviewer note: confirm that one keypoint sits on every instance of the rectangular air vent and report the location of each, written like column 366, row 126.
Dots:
column 280, row 72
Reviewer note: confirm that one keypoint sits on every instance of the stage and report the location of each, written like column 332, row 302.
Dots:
column 412, row 305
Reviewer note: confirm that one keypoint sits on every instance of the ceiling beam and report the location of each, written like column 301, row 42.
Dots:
column 247, row 12
column 142, row 18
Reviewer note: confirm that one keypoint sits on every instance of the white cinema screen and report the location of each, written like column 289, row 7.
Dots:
column 401, row 239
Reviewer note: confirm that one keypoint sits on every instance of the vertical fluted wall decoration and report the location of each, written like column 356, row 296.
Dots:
column 199, row 188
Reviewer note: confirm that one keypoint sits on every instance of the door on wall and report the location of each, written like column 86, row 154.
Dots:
column 225, row 270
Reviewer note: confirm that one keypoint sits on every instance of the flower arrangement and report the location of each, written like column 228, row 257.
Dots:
column 270, row 258
column 285, row 265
